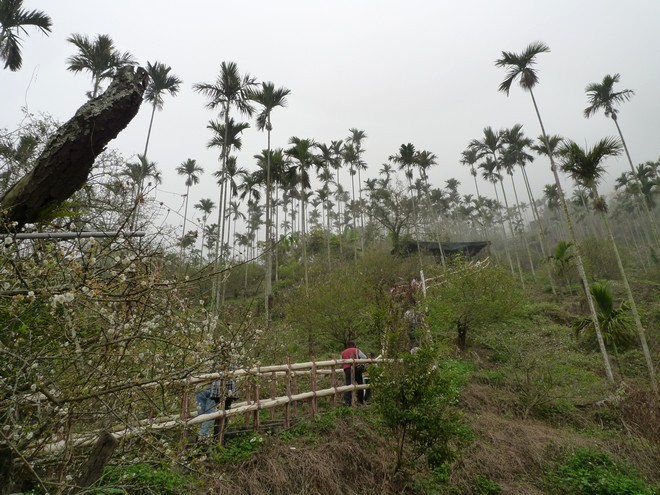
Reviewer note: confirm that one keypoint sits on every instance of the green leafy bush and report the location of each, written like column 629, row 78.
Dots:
column 483, row 485
column 590, row 472
column 142, row 479
column 472, row 295
column 416, row 396
column 238, row 449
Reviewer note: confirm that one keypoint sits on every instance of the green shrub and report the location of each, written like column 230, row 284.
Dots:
column 238, row 449
column 483, row 485
column 472, row 295
column 435, row 483
column 142, row 479
column 591, row 472
column 416, row 396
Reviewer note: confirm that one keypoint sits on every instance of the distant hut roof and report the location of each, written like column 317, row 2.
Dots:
column 469, row 249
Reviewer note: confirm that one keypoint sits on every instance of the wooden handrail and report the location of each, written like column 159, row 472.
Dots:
column 185, row 419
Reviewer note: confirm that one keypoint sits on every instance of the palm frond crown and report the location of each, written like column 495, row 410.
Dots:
column 521, row 66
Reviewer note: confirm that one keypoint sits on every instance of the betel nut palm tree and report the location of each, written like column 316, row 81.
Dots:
column 229, row 91
column 585, row 168
column 302, row 158
column 406, row 159
column 354, row 139
column 601, row 96
column 191, row 171
column 206, row 207
column 521, row 67
column 268, row 97
column 99, row 57
column 14, row 20
column 489, row 147
column 493, row 144
column 160, row 83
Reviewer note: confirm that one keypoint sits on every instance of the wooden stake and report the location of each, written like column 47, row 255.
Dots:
column 313, row 380
column 255, row 414
column 287, row 407
column 273, row 391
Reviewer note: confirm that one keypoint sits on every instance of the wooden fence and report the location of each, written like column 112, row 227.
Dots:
column 264, row 388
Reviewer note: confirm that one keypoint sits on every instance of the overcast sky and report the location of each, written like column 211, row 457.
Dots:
column 403, row 71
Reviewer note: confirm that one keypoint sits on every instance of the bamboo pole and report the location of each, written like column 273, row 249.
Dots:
column 287, row 408
column 273, row 391
column 313, row 384
column 255, row 414
column 88, row 439
column 353, row 392
column 333, row 381
column 248, row 396
column 294, row 389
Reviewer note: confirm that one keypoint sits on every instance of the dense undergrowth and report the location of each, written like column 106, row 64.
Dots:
column 532, row 415
column 501, row 398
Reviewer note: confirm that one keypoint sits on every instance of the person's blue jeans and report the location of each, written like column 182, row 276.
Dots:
column 205, row 405
column 348, row 396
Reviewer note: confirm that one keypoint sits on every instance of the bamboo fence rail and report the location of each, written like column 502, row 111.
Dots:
column 250, row 408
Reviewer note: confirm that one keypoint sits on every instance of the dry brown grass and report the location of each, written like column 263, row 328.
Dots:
column 352, row 458
column 515, row 453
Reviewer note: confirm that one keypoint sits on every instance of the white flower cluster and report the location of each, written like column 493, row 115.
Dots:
column 62, row 299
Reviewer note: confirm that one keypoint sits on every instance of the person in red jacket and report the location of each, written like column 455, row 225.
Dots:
column 352, row 352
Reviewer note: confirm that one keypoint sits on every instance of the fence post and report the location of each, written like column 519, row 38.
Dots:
column 273, row 391
column 333, row 380
column 294, row 389
column 219, row 428
column 313, row 383
column 248, row 394
column 287, row 408
column 353, row 392
column 255, row 414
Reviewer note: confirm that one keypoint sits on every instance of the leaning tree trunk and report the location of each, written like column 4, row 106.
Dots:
column 65, row 163
column 638, row 322
column 578, row 255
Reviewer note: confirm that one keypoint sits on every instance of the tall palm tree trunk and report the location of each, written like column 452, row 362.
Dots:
column 476, row 186
column 642, row 199
column 341, row 250
column 185, row 217
column 437, row 229
column 578, row 254
column 504, row 238
column 361, row 212
column 542, row 234
column 353, row 208
column 513, row 234
column 303, row 236
column 635, row 243
column 329, row 230
column 151, row 123
column 415, row 220
column 268, row 289
column 215, row 286
column 225, row 197
column 277, row 234
column 201, row 252
column 638, row 322
column 524, row 239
